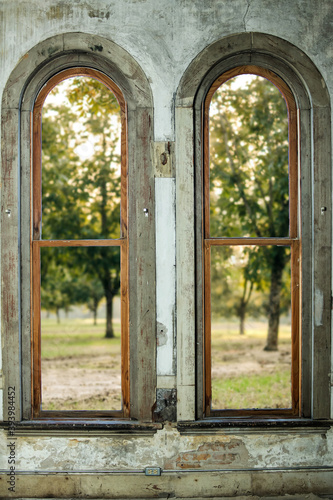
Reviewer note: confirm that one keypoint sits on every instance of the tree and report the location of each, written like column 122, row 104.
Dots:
column 90, row 292
column 249, row 179
column 81, row 193
column 234, row 272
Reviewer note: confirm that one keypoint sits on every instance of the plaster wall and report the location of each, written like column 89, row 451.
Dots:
column 164, row 37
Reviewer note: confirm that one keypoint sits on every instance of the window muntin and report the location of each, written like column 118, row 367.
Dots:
column 239, row 227
column 100, row 208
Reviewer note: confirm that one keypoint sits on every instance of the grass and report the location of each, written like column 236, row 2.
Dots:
column 80, row 339
column 269, row 386
column 74, row 338
column 253, row 391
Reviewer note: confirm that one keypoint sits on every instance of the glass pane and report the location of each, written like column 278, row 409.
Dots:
column 248, row 146
column 250, row 296
column 81, row 132
column 80, row 328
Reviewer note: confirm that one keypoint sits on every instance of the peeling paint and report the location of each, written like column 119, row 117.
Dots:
column 96, row 48
column 162, row 332
column 209, row 454
column 57, row 12
column 99, row 14
column 319, row 307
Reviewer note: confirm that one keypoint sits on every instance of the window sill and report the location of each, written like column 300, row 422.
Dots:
column 236, row 425
column 95, row 428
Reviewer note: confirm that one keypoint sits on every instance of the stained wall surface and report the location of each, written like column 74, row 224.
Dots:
column 164, row 37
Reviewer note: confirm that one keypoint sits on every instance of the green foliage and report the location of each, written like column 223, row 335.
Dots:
column 249, row 194
column 81, row 191
column 249, row 160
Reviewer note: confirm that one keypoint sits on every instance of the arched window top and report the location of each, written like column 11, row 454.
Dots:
column 269, row 52
column 77, row 72
column 259, row 71
column 80, row 108
column 256, row 148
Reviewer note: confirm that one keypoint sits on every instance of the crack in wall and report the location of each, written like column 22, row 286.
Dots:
column 246, row 13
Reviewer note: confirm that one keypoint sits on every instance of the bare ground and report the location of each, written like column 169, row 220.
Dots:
column 94, row 381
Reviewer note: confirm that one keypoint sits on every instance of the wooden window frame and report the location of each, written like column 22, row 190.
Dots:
column 293, row 241
column 37, row 243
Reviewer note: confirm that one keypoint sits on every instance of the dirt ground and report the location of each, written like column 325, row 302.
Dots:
column 77, row 383
column 250, row 361
column 95, row 382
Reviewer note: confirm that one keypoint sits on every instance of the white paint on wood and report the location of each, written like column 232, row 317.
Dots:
column 319, row 307
column 185, row 264
column 166, row 382
column 165, row 273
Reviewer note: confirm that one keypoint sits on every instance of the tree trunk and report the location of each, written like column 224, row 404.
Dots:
column 109, row 305
column 242, row 311
column 58, row 314
column 278, row 264
column 95, row 307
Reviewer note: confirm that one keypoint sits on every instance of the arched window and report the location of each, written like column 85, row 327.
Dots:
column 204, row 192
column 79, row 230
column 80, row 246
column 251, row 241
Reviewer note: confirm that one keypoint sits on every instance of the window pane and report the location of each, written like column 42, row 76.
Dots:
column 248, row 145
column 81, row 367
column 250, row 294
column 81, row 132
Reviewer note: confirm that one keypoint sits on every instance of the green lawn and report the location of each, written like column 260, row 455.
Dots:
column 76, row 338
column 243, row 387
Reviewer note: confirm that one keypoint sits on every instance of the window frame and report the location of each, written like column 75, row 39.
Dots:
column 37, row 243
column 42, row 62
column 293, row 241
column 310, row 91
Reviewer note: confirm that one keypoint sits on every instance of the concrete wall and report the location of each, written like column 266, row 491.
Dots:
column 164, row 37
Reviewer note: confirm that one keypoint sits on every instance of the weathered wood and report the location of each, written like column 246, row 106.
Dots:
column 125, row 341
column 251, row 241
column 26, row 223
column 141, row 265
column 10, row 303
column 119, row 242
column 322, row 242
column 295, row 328
column 298, row 60
column 36, row 331
column 163, row 159
column 306, row 262
column 207, row 329
column 185, row 262
column 199, row 270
